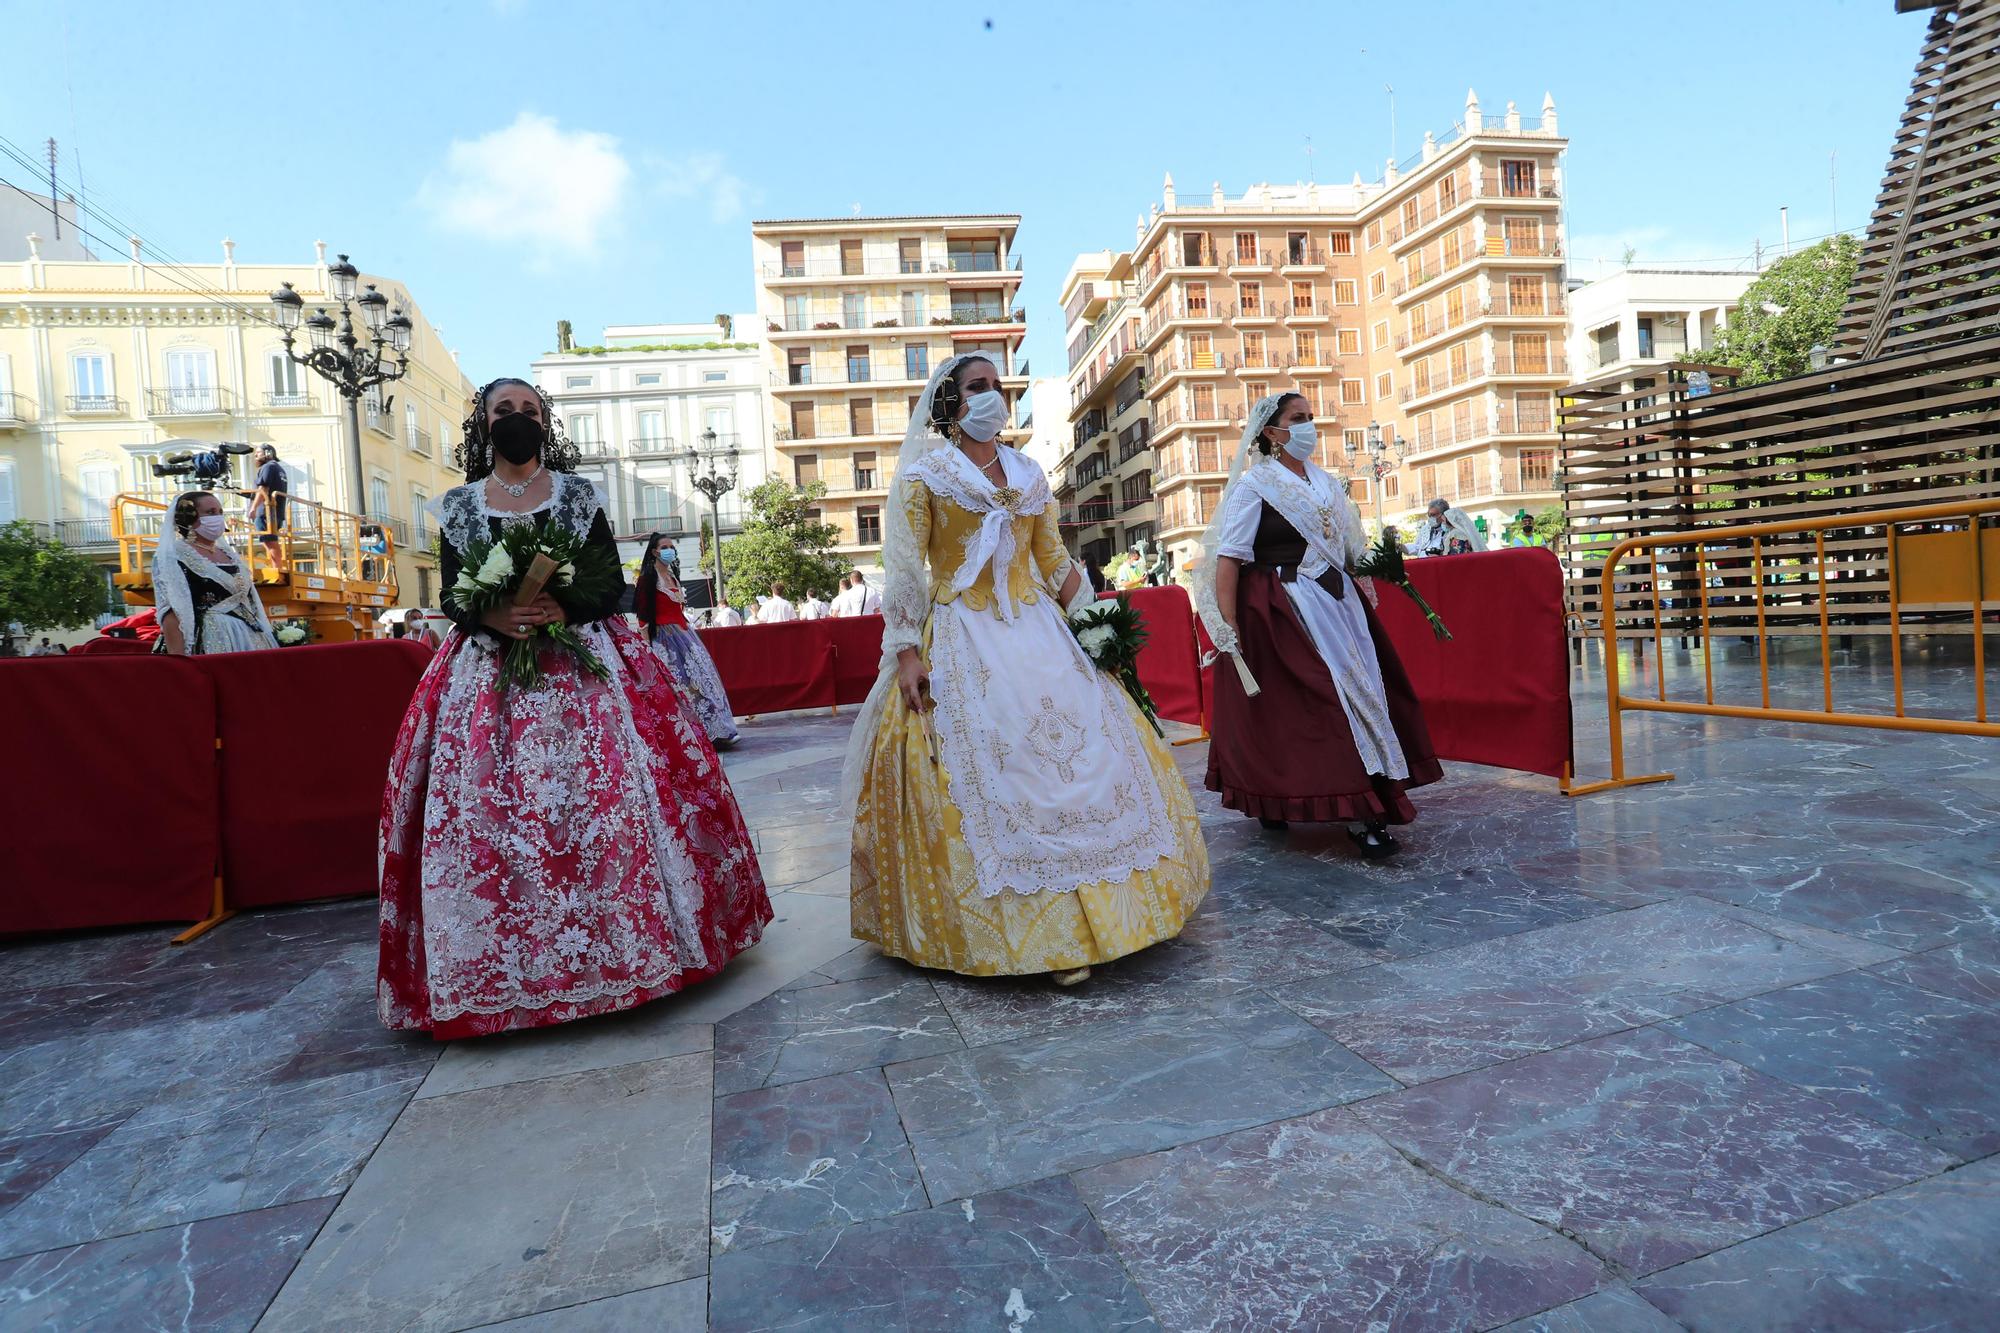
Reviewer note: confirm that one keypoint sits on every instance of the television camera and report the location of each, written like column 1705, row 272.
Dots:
column 207, row 464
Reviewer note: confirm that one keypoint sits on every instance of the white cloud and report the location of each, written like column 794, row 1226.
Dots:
column 534, row 184
column 703, row 176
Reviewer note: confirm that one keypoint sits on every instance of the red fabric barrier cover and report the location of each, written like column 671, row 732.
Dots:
column 107, row 777
column 1497, row 692
column 108, row 647
column 1169, row 664
column 306, row 734
column 857, row 645
column 775, row 668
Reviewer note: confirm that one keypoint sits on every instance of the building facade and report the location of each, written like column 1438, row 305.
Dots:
column 856, row 312
column 107, row 365
column 651, row 405
column 1645, row 316
column 1429, row 304
column 1106, row 479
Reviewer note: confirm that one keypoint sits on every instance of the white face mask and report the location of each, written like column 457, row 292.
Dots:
column 985, row 414
column 1304, row 438
column 210, row 527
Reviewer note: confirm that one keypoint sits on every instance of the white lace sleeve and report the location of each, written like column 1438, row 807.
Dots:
column 171, row 594
column 1241, row 509
column 906, row 584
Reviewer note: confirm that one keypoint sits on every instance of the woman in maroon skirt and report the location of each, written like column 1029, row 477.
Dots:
column 1317, row 721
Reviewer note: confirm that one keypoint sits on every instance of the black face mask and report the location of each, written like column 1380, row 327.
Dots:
column 516, row 438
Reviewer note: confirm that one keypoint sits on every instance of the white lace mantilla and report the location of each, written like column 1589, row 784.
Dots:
column 461, row 512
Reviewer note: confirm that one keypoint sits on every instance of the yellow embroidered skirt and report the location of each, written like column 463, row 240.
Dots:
column 915, row 892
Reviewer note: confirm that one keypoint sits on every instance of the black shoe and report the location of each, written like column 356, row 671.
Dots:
column 1274, row 823
column 1375, row 843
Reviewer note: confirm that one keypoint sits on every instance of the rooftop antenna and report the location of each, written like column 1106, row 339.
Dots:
column 55, row 206
column 1311, row 178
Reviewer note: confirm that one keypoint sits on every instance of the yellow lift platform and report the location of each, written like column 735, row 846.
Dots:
column 334, row 572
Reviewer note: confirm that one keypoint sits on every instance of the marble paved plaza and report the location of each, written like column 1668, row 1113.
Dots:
column 1718, row 1054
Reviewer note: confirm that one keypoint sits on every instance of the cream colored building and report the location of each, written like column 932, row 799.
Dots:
column 105, row 365
column 1106, row 477
column 651, row 400
column 1642, row 316
column 857, row 312
column 1429, row 304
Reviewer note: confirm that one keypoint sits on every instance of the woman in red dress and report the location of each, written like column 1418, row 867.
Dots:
column 1334, row 732
column 559, row 850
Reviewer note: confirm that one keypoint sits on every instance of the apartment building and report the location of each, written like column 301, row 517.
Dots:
column 652, row 406
column 856, row 312
column 106, row 365
column 1105, row 479
column 1643, row 316
column 1429, row 304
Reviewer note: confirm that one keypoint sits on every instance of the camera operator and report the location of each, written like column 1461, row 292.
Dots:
column 267, row 502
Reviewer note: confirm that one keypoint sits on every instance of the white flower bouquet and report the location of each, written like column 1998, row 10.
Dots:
column 494, row 572
column 1111, row 634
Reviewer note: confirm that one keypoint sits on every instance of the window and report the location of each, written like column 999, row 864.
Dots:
column 90, row 380
column 1531, row 353
column 1297, row 247
column 798, row 313
column 1378, row 284
column 1538, row 469
column 647, row 379
column 1302, row 298
column 850, row 258
column 410, row 432
column 1305, row 347
column 913, row 309
column 910, row 254
column 1459, row 369
column 10, row 504
column 1253, row 349
column 721, row 423
column 98, row 484
column 1645, row 334
column 419, row 517
column 853, row 310
column 714, row 377
column 1207, row 454
column 1523, row 236
column 1194, row 248
column 577, row 381
column 861, row 416
column 1447, row 194
column 1340, row 243
column 287, row 389
column 1454, row 307
column 1411, row 216
column 1450, row 249
column 1348, row 341
column 864, row 470
column 1420, row 377
column 805, row 469
column 1246, row 247
column 190, row 380
column 378, row 496
column 1355, row 442
column 1353, row 393
column 802, row 421
column 652, row 430
column 868, row 525
column 1250, row 298
column 1517, row 179
column 583, row 428
column 857, row 364
column 1524, row 297
column 1381, row 334
column 1344, row 291
column 1533, row 413
column 1374, row 234
column 798, row 366
column 1200, row 352
column 1468, row 476
column 1427, row 481
column 792, row 259
column 1357, row 489
column 917, row 362
column 1202, row 397
column 1197, row 299
column 1385, row 386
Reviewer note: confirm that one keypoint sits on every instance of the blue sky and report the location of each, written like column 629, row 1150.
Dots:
column 516, row 162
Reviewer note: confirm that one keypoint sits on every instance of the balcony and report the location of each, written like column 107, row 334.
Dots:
column 1531, row 305
column 644, row 525
column 1518, row 420
column 1456, row 377
column 878, row 266
column 1519, row 247
column 1094, row 424
column 84, row 534
column 1240, row 260
column 282, row 401
column 1543, row 184
column 1449, row 434
column 397, row 528
column 1303, row 257
column 94, row 405
column 1428, row 213
column 1095, row 511
column 654, row 446
column 420, row 443
column 1305, row 311
column 1093, row 470
column 1552, row 362
column 197, row 401
column 375, row 419
column 15, row 411
column 1134, row 440
column 1171, row 413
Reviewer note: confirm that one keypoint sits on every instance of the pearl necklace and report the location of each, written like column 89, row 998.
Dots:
column 518, row 491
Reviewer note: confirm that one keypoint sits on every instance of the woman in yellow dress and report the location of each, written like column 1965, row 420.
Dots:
column 1014, row 813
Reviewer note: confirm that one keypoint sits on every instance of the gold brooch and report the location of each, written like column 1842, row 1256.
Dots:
column 1006, row 497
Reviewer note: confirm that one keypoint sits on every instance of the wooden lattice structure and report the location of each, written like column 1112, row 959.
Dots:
column 1930, row 268
column 1908, row 412
column 1643, row 458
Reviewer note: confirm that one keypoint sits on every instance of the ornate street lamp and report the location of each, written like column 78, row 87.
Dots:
column 1384, row 457
column 338, row 355
column 714, row 483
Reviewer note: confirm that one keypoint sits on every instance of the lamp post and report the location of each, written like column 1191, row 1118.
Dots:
column 338, row 356
column 714, row 483
column 1384, row 457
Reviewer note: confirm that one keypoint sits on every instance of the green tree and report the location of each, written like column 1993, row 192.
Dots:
column 782, row 542
column 44, row 584
column 1795, row 304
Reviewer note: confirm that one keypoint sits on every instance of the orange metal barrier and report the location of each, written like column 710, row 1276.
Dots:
column 1944, row 571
